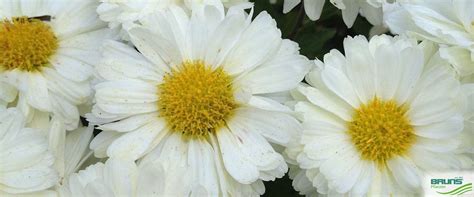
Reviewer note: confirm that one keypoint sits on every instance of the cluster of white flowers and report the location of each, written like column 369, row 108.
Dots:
column 205, row 98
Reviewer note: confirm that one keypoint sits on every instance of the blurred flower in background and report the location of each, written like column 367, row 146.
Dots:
column 447, row 23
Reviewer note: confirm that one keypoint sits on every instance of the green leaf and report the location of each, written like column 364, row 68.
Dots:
column 313, row 39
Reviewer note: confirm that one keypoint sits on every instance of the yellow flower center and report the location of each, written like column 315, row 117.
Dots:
column 195, row 99
column 381, row 130
column 26, row 44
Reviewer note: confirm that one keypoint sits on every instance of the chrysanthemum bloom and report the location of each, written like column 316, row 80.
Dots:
column 122, row 178
column 123, row 14
column 199, row 96
column 378, row 118
column 47, row 49
column 448, row 23
column 26, row 165
column 370, row 9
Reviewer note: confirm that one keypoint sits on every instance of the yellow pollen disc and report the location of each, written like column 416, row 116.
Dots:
column 26, row 44
column 381, row 130
column 195, row 100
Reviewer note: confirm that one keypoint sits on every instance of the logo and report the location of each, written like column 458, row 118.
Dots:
column 449, row 184
column 443, row 183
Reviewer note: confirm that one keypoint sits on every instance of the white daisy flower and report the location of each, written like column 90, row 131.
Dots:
column 26, row 165
column 370, row 9
column 123, row 178
column 378, row 118
column 48, row 52
column 199, row 95
column 448, row 23
column 123, row 14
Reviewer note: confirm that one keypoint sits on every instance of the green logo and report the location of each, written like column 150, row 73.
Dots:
column 456, row 181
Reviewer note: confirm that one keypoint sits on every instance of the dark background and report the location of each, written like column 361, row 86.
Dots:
column 315, row 39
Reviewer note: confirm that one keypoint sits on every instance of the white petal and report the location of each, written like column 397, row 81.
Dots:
column 122, row 62
column 235, row 162
column 26, row 149
column 266, row 103
column 129, row 124
column 439, row 130
column 150, row 180
column 435, row 145
column 72, row 91
column 431, row 161
column 373, row 14
column 37, row 93
column 277, row 127
column 126, row 92
column 148, row 44
column 125, row 103
column 35, row 178
column 102, row 141
column 340, row 163
column 312, row 113
column 224, row 39
column 72, row 68
column 11, row 123
column 405, row 172
column 202, row 166
column 338, row 82
column 389, row 71
column 77, row 143
column 349, row 14
column 328, row 102
column 460, row 58
column 57, row 144
column 67, row 111
column 348, row 180
column 289, row 5
column 282, row 73
column 435, row 96
column 257, row 150
column 120, row 176
column 365, row 179
column 313, row 8
column 361, row 67
column 328, row 147
column 257, row 43
column 412, row 67
column 134, row 144
column 7, row 92
column 88, row 43
column 82, row 14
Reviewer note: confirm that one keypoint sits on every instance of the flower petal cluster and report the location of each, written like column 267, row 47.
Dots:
column 447, row 23
column 185, row 61
column 355, row 145
column 27, row 164
column 61, row 83
column 136, row 98
column 123, row 14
